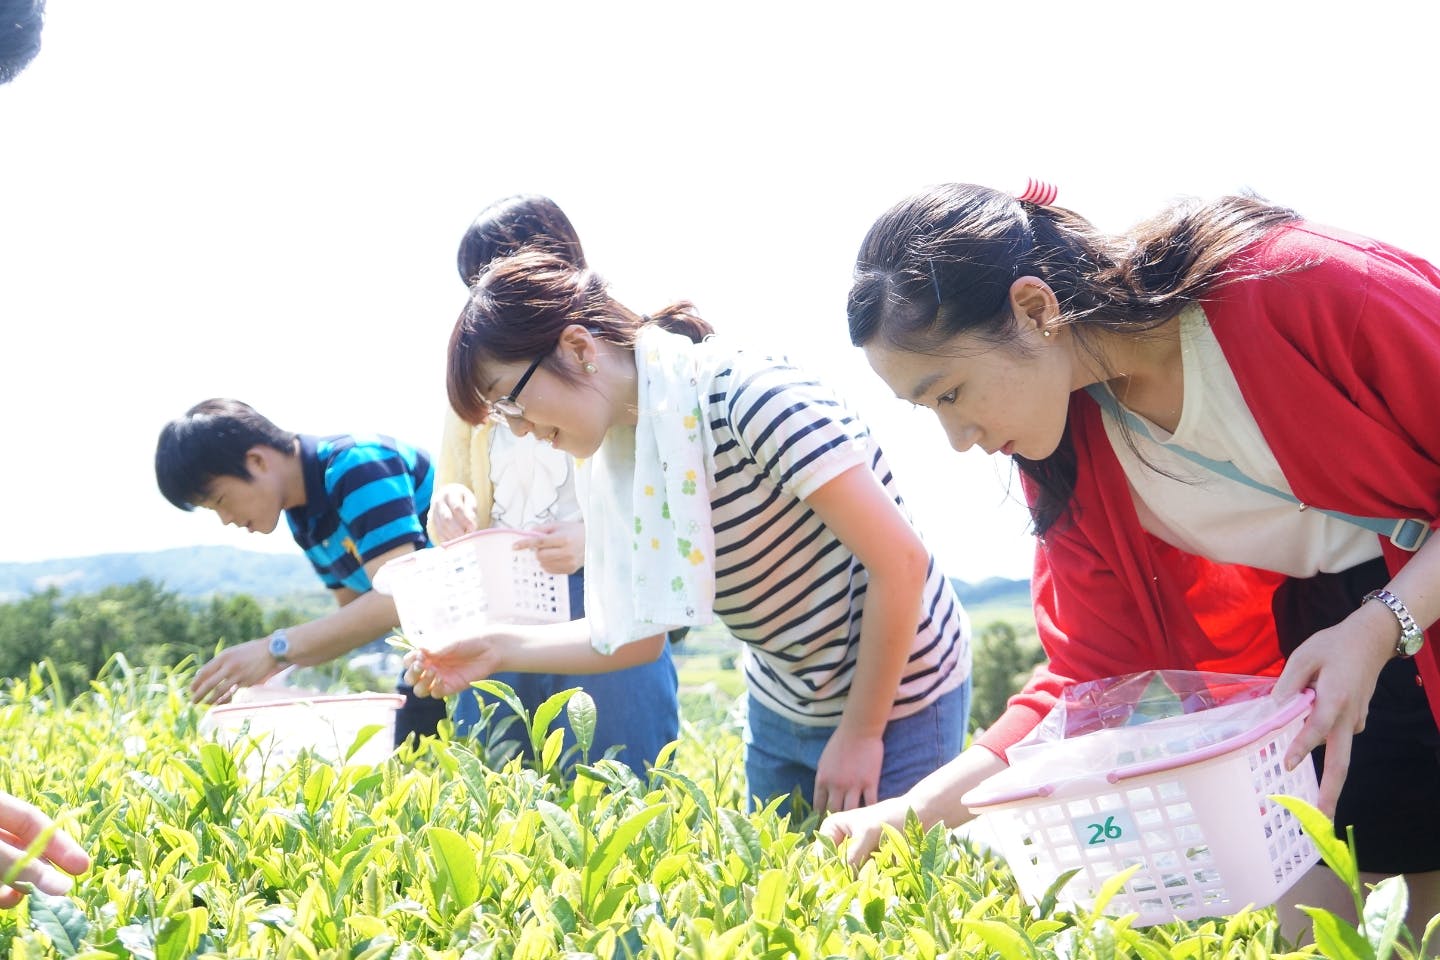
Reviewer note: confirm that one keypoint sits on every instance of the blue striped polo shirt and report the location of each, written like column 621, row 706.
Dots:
column 364, row 495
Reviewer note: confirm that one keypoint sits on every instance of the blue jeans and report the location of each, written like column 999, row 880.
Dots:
column 637, row 709
column 781, row 755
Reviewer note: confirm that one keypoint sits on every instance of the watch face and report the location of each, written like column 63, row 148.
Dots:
column 279, row 646
column 1410, row 643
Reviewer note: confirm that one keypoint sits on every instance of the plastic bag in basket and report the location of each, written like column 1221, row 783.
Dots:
column 1103, row 725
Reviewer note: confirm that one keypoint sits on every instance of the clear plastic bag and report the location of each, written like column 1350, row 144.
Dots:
column 1099, row 728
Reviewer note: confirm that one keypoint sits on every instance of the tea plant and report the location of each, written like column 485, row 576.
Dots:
column 435, row 854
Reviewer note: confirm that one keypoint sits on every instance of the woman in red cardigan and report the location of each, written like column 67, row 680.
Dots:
column 1300, row 358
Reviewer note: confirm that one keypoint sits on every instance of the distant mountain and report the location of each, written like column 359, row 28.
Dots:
column 992, row 590
column 188, row 571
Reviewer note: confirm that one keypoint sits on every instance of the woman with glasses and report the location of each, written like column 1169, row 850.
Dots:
column 491, row 477
column 719, row 483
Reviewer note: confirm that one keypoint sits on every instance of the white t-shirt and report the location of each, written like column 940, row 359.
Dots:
column 1212, row 516
column 784, row 583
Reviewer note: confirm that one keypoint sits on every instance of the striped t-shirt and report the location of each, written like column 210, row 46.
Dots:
column 364, row 496
column 784, row 583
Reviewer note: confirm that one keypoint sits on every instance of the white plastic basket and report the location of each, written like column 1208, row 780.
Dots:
column 1199, row 825
column 326, row 725
column 447, row 593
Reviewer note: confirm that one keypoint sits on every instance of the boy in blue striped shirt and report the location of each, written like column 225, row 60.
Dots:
column 352, row 503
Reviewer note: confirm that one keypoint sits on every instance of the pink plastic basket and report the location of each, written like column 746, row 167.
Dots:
column 328, row 726
column 1198, row 825
column 447, row 593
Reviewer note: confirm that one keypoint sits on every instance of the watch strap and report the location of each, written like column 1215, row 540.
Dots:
column 1411, row 636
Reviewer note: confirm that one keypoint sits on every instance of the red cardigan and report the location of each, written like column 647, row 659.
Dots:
column 1339, row 363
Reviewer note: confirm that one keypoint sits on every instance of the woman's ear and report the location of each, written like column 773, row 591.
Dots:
column 1032, row 299
column 578, row 343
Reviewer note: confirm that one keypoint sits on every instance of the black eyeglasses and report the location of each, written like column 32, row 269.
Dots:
column 508, row 407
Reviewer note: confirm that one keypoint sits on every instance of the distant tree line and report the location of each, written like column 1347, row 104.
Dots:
column 152, row 626
column 1001, row 663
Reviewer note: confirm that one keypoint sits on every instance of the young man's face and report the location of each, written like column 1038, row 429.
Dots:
column 254, row 504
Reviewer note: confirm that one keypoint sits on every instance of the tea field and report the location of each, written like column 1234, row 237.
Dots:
column 201, row 851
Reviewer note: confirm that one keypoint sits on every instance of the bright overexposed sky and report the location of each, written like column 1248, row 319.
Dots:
column 263, row 199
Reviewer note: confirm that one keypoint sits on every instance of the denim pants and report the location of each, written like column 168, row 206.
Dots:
column 637, row 709
column 781, row 755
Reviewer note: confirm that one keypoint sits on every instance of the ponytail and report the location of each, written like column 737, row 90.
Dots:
column 680, row 317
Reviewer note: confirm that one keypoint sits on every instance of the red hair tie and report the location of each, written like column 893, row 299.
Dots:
column 1037, row 191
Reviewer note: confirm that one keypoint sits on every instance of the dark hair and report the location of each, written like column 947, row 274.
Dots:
column 521, row 304
column 941, row 263
column 20, row 23
column 505, row 226
column 211, row 441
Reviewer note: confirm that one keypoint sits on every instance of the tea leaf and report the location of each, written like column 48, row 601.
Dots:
column 1002, row 938
column 1336, row 938
column 1384, row 914
column 768, row 905
column 456, row 861
column 580, row 711
column 608, row 854
column 545, row 715
column 59, row 919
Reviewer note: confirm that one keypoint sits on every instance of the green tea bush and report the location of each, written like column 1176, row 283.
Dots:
column 434, row 854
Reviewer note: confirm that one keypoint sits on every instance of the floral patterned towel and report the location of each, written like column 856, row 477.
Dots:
column 650, row 557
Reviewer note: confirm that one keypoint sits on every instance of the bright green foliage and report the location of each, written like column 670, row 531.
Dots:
column 434, row 855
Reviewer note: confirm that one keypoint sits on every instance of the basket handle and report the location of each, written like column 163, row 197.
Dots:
column 1297, row 706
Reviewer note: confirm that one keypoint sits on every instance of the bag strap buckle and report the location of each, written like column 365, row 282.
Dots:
column 1410, row 534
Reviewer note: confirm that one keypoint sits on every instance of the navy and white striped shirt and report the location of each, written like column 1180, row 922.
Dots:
column 364, row 496
column 784, row 583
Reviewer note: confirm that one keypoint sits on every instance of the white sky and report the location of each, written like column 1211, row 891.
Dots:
column 263, row 199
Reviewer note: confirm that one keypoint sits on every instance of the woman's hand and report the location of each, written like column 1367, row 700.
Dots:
column 453, row 511
column 848, row 774
column 445, row 672
column 21, row 824
column 244, row 665
column 559, row 547
column 1341, row 664
column 864, row 826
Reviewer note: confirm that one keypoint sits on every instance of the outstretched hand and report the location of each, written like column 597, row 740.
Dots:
column 244, row 665
column 21, row 824
column 447, row 671
column 1341, row 664
column 865, row 826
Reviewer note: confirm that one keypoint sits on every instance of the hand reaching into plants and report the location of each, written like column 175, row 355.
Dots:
column 21, row 824
column 865, row 826
column 1341, row 664
column 560, row 547
column 453, row 511
column 244, row 665
column 848, row 774
column 445, row 672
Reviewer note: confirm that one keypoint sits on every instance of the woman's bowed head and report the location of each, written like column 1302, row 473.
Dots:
column 992, row 310
column 544, row 348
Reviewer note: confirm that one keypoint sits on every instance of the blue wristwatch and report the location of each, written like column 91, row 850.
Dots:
column 279, row 646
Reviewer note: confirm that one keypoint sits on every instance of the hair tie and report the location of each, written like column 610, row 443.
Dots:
column 1038, row 192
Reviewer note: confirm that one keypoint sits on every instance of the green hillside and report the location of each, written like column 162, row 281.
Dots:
column 188, row 571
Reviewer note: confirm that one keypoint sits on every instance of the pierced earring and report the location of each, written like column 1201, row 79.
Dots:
column 1045, row 333
column 591, row 368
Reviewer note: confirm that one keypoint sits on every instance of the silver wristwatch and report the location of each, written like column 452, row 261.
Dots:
column 1412, row 638
column 279, row 646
